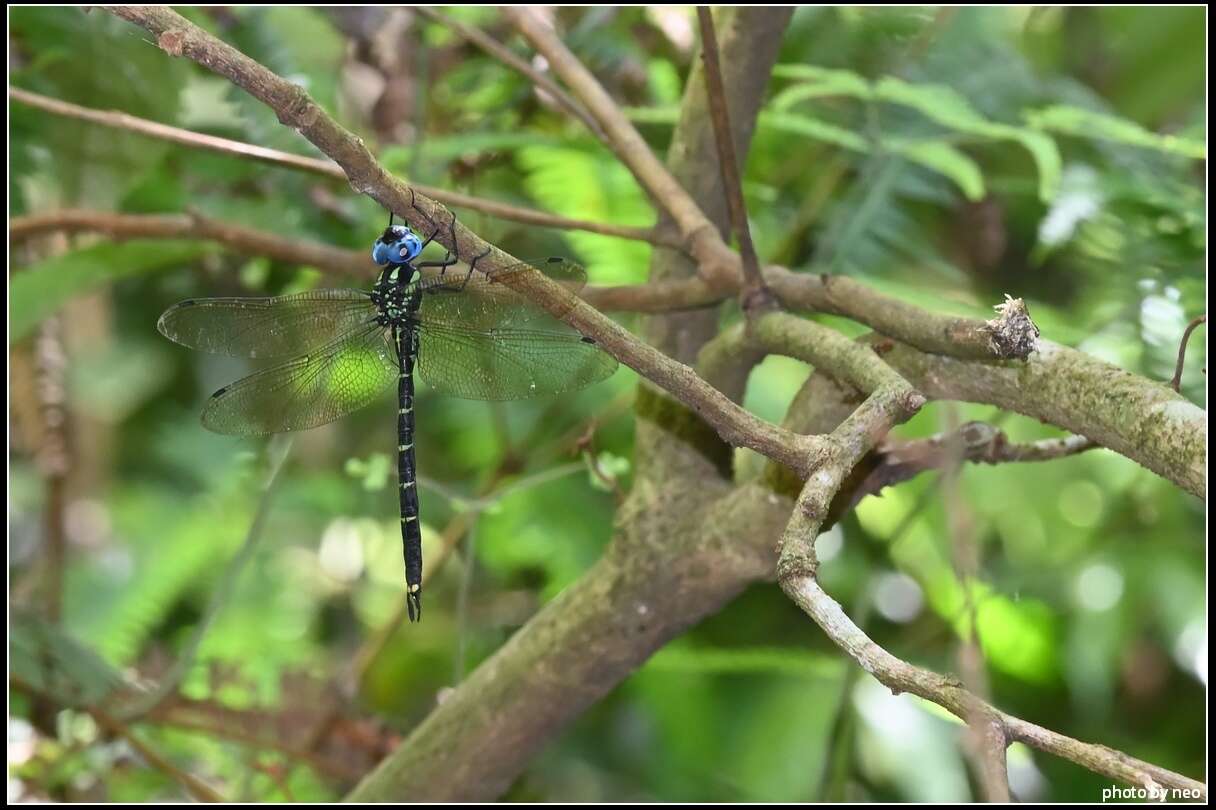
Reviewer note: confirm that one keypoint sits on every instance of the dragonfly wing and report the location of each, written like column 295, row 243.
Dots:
column 480, row 301
column 504, row 363
column 308, row 390
column 265, row 327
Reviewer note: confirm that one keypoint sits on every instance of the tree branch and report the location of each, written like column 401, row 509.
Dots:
column 1120, row 423
column 656, row 297
column 700, row 235
column 895, row 462
column 327, row 259
column 495, row 49
column 989, row 756
column 968, row 338
column 1144, row 420
column 326, row 168
column 839, row 295
column 1176, row 382
column 115, row 119
column 755, row 296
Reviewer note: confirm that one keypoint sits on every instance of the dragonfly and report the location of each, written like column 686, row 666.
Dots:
column 467, row 334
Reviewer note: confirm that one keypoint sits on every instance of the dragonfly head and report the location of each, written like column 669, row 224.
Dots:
column 397, row 245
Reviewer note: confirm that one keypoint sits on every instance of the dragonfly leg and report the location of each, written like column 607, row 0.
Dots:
column 414, row 200
column 473, row 266
column 414, row 205
column 451, row 257
column 434, row 233
column 447, row 262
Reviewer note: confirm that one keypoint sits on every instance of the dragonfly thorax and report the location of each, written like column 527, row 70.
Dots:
column 395, row 299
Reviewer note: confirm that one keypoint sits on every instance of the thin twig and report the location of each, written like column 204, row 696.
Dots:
column 1176, row 383
column 1172, row 443
column 482, row 503
column 976, row 442
column 184, row 137
column 372, row 647
column 967, row 338
column 327, row 168
column 495, row 49
column 656, row 297
column 191, row 783
column 343, row 748
column 755, row 296
column 239, row 238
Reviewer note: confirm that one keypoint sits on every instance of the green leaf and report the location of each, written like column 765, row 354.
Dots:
column 944, row 106
column 816, row 129
column 935, row 155
column 944, row 159
column 1084, row 123
column 940, row 104
column 40, row 290
column 820, row 82
column 581, row 183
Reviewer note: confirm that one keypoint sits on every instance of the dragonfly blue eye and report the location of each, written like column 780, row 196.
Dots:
column 410, row 247
column 397, row 245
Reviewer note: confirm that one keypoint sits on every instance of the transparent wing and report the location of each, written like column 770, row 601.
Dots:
column 503, row 364
column 265, row 327
column 308, row 390
column 479, row 301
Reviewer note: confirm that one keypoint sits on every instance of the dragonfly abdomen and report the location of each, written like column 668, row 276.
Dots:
column 407, row 477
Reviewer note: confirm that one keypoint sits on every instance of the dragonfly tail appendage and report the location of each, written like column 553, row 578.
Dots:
column 413, row 601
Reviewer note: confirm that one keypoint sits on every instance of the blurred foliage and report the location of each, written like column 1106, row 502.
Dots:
column 946, row 156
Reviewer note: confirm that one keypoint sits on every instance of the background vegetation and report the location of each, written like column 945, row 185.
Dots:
column 946, row 157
